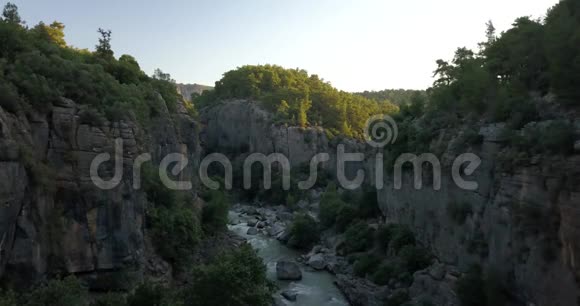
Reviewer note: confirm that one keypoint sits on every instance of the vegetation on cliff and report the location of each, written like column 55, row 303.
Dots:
column 297, row 98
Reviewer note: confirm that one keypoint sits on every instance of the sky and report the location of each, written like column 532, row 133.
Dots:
column 356, row 45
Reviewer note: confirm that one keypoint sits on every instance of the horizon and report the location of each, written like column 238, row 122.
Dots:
column 315, row 37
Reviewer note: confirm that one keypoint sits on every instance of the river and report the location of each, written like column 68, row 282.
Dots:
column 315, row 288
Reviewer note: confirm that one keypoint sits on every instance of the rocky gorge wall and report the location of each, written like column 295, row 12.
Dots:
column 523, row 221
column 240, row 127
column 521, row 224
column 53, row 219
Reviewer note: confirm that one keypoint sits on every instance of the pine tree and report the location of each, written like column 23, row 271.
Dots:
column 10, row 14
column 104, row 46
column 303, row 107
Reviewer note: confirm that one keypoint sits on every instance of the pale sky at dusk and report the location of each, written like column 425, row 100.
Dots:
column 356, row 45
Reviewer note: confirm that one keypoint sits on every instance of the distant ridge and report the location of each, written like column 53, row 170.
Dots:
column 186, row 90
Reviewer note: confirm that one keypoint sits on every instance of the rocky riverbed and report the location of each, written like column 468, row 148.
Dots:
column 301, row 284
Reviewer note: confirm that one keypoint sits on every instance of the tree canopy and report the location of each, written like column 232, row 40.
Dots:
column 297, row 98
column 38, row 68
column 532, row 57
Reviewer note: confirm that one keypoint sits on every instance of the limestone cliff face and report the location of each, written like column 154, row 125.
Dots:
column 523, row 221
column 53, row 218
column 186, row 90
column 240, row 127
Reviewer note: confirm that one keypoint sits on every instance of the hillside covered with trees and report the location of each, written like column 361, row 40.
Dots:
column 297, row 98
column 37, row 67
column 395, row 96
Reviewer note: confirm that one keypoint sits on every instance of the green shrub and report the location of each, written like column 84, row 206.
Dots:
column 151, row 294
column 110, row 299
column 402, row 236
column 238, row 278
column 384, row 235
column 304, row 232
column 291, row 202
column 330, row 205
column 358, row 237
column 8, row 298
column 415, row 258
column 215, row 213
column 386, row 272
column 366, row 264
column 91, row 117
column 458, row 211
column 175, row 233
column 346, row 215
column 156, row 191
column 556, row 137
column 471, row 136
column 9, row 99
column 368, row 206
column 63, row 292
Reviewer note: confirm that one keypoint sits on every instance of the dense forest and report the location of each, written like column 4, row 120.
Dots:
column 37, row 67
column 395, row 96
column 298, row 98
column 532, row 58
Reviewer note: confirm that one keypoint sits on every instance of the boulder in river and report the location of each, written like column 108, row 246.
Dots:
column 317, row 262
column 252, row 231
column 276, row 229
column 290, row 295
column 287, row 270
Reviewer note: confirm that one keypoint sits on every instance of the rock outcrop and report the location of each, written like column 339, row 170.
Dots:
column 287, row 270
column 186, row 90
column 522, row 221
column 53, row 217
column 240, row 127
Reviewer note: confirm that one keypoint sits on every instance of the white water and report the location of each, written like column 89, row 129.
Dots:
column 315, row 288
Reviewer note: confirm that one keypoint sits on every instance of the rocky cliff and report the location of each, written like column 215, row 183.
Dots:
column 241, row 127
column 522, row 222
column 53, row 218
column 186, row 90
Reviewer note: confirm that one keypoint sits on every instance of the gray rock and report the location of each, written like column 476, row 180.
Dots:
column 284, row 237
column 290, row 295
column 361, row 292
column 287, row 270
column 276, row 229
column 252, row 231
column 302, row 204
column 252, row 223
column 317, row 262
column 437, row 271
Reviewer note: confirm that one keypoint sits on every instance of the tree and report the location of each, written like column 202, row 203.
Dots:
column 489, row 34
column 303, row 107
column 10, row 14
column 158, row 74
column 53, row 32
column 104, row 46
column 283, row 110
column 237, row 278
column 563, row 50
